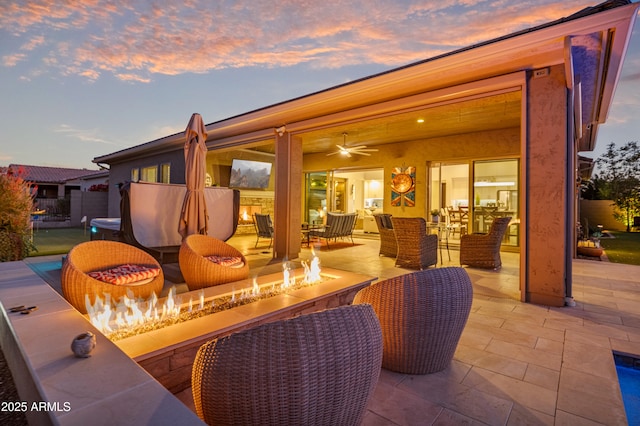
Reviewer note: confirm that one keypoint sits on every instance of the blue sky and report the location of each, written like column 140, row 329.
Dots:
column 87, row 78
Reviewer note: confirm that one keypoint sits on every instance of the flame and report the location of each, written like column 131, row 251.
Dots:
column 288, row 280
column 245, row 216
column 312, row 270
column 114, row 316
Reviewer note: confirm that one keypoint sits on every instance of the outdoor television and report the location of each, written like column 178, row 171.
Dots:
column 249, row 174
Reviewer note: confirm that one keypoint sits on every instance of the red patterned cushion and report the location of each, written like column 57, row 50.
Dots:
column 126, row 274
column 230, row 261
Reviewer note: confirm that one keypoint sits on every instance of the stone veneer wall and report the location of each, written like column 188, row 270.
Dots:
column 265, row 200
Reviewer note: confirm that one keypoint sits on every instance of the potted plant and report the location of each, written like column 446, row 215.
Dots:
column 435, row 214
column 591, row 247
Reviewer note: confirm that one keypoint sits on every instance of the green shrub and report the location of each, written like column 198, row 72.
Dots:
column 16, row 204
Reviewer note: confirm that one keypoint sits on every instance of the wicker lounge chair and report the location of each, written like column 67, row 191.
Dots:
column 99, row 255
column 422, row 315
column 416, row 249
column 388, row 245
column 200, row 272
column 483, row 250
column 317, row 368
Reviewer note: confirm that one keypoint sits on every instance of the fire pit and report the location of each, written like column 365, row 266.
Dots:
column 167, row 353
column 129, row 316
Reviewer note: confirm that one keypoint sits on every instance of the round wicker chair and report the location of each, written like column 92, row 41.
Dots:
column 422, row 315
column 101, row 255
column 198, row 272
column 316, row 369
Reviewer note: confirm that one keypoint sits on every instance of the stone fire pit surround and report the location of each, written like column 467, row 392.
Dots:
column 168, row 353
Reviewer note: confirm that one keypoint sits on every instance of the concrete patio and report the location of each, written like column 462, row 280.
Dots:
column 516, row 363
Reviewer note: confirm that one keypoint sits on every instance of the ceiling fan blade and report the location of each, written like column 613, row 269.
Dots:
column 333, row 153
column 361, row 153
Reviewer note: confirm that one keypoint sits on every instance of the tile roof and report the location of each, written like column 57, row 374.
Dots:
column 53, row 174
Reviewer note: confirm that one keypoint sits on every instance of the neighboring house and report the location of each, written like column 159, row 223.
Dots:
column 497, row 125
column 58, row 182
column 55, row 185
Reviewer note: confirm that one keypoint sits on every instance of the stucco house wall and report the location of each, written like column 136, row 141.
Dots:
column 120, row 172
column 547, row 200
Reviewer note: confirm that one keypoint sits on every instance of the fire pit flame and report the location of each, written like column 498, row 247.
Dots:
column 133, row 316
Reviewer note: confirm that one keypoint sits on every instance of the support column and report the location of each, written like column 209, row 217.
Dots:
column 546, row 189
column 288, row 196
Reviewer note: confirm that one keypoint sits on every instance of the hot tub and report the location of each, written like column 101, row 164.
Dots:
column 105, row 228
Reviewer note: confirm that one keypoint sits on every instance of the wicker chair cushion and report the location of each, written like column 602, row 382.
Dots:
column 315, row 369
column 127, row 274
column 230, row 261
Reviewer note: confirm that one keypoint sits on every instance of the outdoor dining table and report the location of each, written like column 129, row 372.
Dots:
column 306, row 231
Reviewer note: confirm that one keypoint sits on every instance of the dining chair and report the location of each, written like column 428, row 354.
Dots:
column 388, row 244
column 416, row 248
column 264, row 227
column 483, row 250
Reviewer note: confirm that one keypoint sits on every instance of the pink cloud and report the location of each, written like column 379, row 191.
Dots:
column 12, row 60
column 94, row 37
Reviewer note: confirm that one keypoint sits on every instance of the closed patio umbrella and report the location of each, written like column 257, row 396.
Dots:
column 194, row 218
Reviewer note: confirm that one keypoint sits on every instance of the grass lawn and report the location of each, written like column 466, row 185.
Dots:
column 624, row 248
column 57, row 240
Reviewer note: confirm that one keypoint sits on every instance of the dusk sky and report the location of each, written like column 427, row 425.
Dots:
column 86, row 78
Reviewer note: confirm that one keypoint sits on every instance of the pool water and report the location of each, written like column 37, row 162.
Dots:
column 629, row 378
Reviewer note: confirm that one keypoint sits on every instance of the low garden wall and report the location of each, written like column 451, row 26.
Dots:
column 599, row 212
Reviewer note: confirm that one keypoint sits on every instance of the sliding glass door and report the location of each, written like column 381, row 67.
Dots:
column 495, row 194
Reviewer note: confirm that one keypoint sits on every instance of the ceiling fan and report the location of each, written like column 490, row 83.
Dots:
column 348, row 150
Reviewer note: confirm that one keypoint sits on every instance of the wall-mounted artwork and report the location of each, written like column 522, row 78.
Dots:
column 403, row 186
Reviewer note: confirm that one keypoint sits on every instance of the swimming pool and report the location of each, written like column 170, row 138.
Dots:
column 628, row 369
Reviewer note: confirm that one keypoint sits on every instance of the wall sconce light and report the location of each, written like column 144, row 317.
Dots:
column 280, row 130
